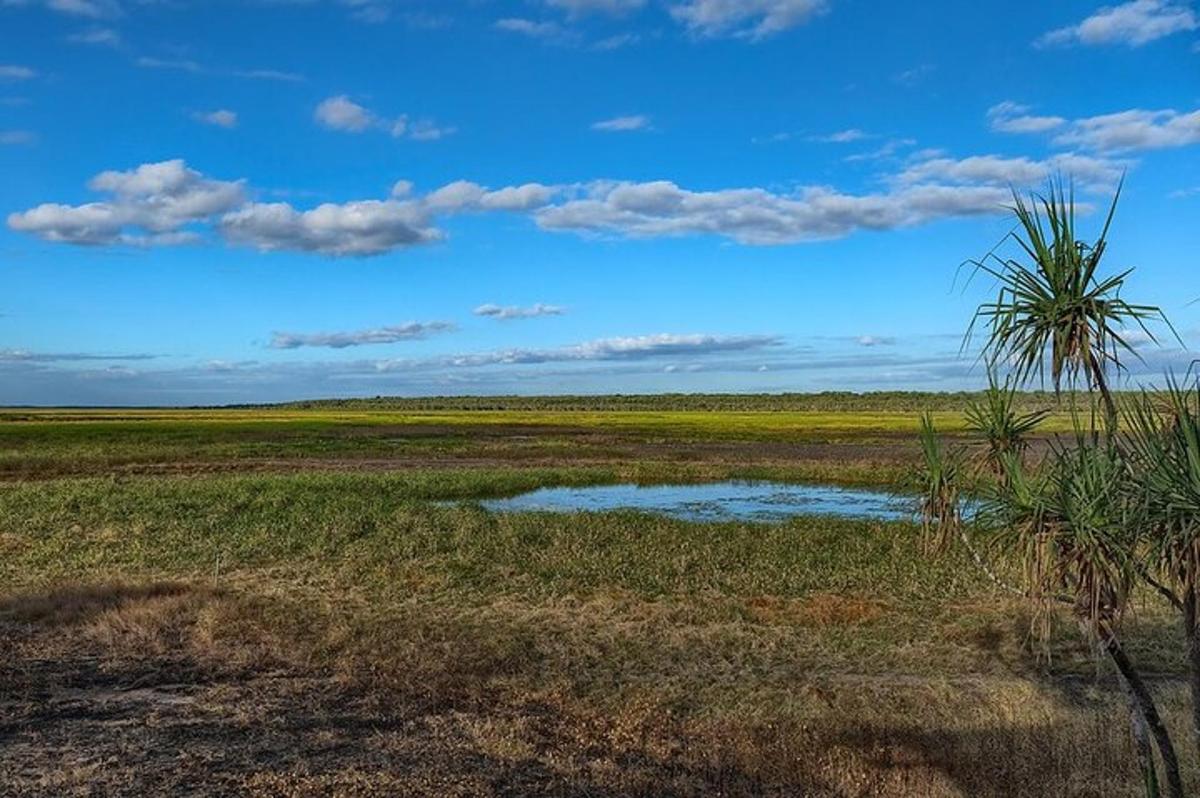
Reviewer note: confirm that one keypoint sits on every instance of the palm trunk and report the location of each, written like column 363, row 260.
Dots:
column 1110, row 406
column 1192, row 634
column 1144, row 701
column 1141, row 742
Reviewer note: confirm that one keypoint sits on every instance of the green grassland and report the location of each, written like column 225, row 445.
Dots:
column 310, row 600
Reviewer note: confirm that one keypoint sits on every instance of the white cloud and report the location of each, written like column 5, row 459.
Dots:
column 1011, row 117
column 874, row 340
column 747, row 19
column 16, row 72
column 464, row 195
column 100, row 37
column 888, row 149
column 616, row 41
column 1098, row 173
column 366, row 227
column 642, row 347
column 1135, row 129
column 370, row 11
column 149, row 205
column 409, row 331
column 528, row 27
column 582, row 7
column 623, row 123
column 220, row 118
column 842, row 136
column 1133, row 24
column 342, row 113
column 509, row 312
column 94, row 9
column 757, row 216
column 424, row 130
column 156, row 204
column 196, row 68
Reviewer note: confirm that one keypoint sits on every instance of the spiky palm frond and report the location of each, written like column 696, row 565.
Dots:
column 1066, row 522
column 1057, row 310
column 939, row 501
column 1163, row 440
column 1001, row 427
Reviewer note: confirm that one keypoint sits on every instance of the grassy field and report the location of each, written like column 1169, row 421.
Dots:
column 309, row 600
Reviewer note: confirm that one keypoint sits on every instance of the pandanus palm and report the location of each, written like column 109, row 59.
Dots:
column 1163, row 441
column 1069, row 527
column 1057, row 309
column 939, row 500
column 1001, row 427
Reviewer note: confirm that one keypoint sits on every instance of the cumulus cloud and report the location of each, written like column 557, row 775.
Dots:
column 366, row 227
column 509, row 312
column 1011, row 117
column 150, row 204
column 1098, row 173
column 1132, row 130
column 622, row 124
column 1124, row 131
column 219, row 118
column 1132, row 24
column 158, row 204
column 342, row 113
column 409, row 331
column 464, row 195
column 758, row 216
column 746, row 19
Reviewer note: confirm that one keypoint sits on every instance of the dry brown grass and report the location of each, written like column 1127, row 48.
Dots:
column 187, row 688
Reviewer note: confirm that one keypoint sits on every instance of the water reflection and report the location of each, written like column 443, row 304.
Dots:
column 716, row 501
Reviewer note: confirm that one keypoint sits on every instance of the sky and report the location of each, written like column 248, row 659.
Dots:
column 210, row 202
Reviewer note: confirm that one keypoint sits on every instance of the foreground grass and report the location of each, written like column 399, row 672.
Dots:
column 607, row 652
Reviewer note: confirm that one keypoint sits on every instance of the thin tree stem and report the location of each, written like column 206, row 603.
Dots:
column 983, row 566
column 1192, row 635
column 1149, row 710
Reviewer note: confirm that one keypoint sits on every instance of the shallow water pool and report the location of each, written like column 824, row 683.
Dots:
column 716, row 501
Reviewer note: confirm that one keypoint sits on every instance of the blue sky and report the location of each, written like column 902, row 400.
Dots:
column 211, row 202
